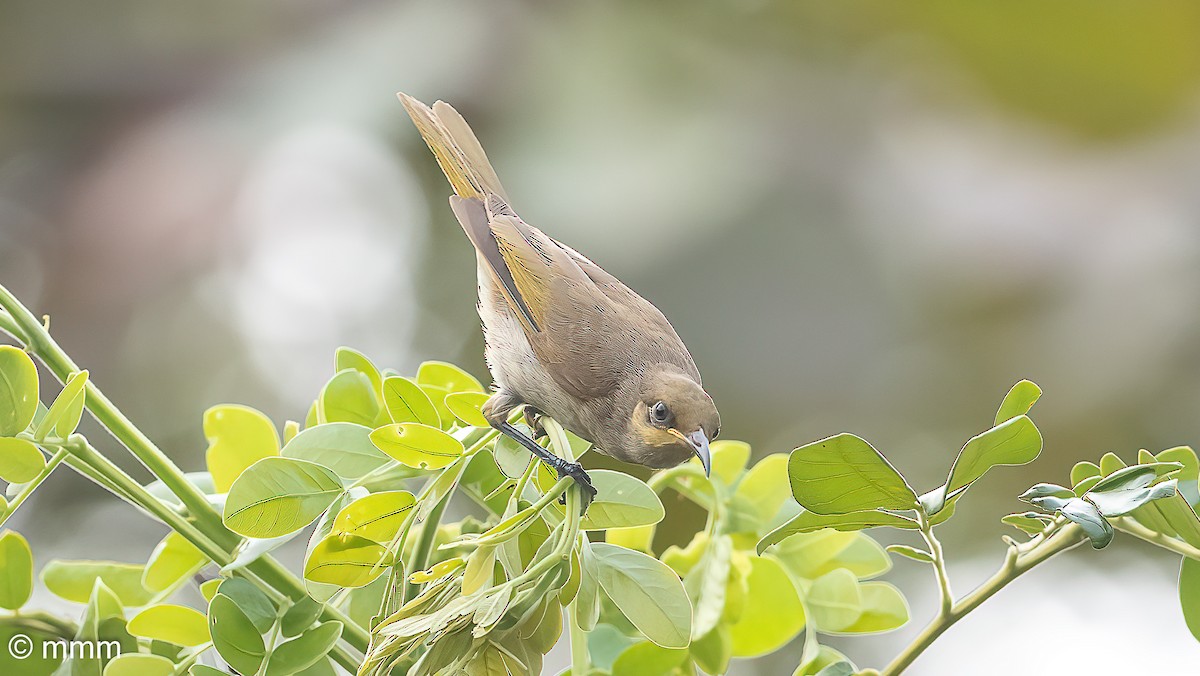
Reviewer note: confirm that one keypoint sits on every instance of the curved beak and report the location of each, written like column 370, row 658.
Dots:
column 699, row 443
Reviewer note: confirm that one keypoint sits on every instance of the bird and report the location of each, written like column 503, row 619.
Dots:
column 563, row 338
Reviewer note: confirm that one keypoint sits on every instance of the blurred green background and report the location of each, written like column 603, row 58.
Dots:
column 868, row 217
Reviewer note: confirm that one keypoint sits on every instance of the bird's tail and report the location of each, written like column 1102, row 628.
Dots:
column 457, row 150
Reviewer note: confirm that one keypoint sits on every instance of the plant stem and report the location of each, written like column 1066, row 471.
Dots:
column 939, row 564
column 40, row 342
column 27, row 329
column 1016, row 564
column 1155, row 538
column 424, row 546
column 580, row 659
column 28, row 488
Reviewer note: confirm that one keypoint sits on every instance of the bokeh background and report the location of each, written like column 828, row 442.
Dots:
column 863, row 216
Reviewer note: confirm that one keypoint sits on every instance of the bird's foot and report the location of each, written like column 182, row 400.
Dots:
column 533, row 418
column 576, row 472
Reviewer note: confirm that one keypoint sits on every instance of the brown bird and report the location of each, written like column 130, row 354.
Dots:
column 564, row 337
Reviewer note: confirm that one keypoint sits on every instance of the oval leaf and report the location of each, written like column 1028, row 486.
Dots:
column 305, row 650
column 417, row 446
column 772, row 614
column 16, row 570
column 844, row 474
column 20, row 460
column 377, row 516
column 64, row 414
column 18, row 390
column 407, row 402
column 236, row 639
column 343, row 447
column 621, row 501
column 347, row 561
column 174, row 624
column 1018, row 401
column 278, row 496
column 647, row 592
column 238, row 437
column 465, row 406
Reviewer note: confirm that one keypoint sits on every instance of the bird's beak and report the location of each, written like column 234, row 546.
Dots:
column 699, row 443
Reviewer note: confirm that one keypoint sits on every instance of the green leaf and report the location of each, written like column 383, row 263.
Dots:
column 1031, row 523
column 347, row 561
column 20, row 460
column 1109, row 463
column 772, row 614
column 884, row 608
column 648, row 659
column 174, row 624
column 234, row 636
column 103, row 620
column 911, row 553
column 137, row 664
column 465, row 406
column 706, row 584
column 1014, row 442
column 1136, row 476
column 251, row 601
column 377, row 516
column 418, row 446
column 834, row 601
column 1018, row 401
column 305, row 650
column 480, row 569
column 712, row 651
column 16, row 570
column 343, row 447
column 1084, row 470
column 448, row 376
column 238, row 437
column 1189, row 594
column 407, row 402
column 349, row 397
column 825, row 658
column 621, row 501
column 806, row 522
column 74, row 580
column 765, row 486
column 349, row 358
column 647, row 592
column 844, row 474
column 1123, row 501
column 811, row 555
column 64, row 414
column 1089, row 519
column 729, row 460
column 278, row 496
column 202, row 670
column 300, row 616
column 172, row 560
column 18, row 390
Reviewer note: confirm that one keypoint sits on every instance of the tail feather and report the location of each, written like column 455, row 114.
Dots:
column 456, row 148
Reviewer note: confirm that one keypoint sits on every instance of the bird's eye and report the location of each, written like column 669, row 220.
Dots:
column 716, row 432
column 659, row 412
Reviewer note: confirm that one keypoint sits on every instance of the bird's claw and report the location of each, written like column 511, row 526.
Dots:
column 586, row 489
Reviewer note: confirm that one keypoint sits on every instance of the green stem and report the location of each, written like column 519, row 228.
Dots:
column 939, row 564
column 1016, row 564
column 580, row 658
column 1155, row 538
column 424, row 546
column 26, row 328
column 28, row 488
column 40, row 342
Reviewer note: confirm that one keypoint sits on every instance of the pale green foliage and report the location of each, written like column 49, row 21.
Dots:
column 367, row 477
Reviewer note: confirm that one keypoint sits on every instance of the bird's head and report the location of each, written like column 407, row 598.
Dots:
column 674, row 418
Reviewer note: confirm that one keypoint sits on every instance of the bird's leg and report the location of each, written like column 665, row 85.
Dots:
column 563, row 467
column 533, row 418
column 497, row 409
